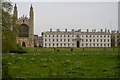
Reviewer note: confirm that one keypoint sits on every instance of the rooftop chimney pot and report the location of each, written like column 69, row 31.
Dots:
column 72, row 29
column 101, row 30
column 65, row 30
column 87, row 30
column 79, row 30
column 58, row 30
column 50, row 30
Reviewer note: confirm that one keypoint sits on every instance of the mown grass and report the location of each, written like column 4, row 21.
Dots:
column 47, row 63
column 75, row 50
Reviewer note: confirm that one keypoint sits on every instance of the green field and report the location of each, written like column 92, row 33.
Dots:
column 47, row 63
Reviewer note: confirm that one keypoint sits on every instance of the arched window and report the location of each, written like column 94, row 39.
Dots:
column 24, row 31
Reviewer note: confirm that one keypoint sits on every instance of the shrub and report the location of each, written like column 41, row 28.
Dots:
column 19, row 50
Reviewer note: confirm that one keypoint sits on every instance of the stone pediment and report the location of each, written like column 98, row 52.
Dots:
column 78, row 33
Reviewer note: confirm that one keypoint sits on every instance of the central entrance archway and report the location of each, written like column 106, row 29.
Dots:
column 23, row 44
column 78, row 44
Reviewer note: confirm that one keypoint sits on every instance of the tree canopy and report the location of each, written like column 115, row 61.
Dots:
column 10, row 29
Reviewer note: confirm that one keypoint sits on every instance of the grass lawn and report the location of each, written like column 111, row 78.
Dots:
column 45, row 63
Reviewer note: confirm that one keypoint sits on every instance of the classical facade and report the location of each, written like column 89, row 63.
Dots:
column 76, row 38
column 26, row 35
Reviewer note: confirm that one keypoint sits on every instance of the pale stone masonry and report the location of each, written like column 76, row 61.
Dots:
column 38, row 41
column 115, row 38
column 76, row 38
column 26, row 35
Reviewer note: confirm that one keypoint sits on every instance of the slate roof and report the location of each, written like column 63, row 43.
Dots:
column 76, row 33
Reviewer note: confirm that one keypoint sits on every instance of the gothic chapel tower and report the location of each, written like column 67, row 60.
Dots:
column 26, row 34
column 15, row 11
column 32, row 26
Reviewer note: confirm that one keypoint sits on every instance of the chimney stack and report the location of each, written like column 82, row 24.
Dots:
column 94, row 30
column 72, row 29
column 87, row 30
column 65, row 30
column 101, row 30
column 105, row 30
column 50, row 30
column 79, row 30
column 108, row 30
column 58, row 30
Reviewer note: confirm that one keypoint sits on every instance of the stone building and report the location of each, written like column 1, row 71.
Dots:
column 115, row 38
column 26, row 35
column 76, row 38
column 37, row 41
column 40, row 41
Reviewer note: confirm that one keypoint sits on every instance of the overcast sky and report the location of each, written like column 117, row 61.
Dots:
column 71, row 15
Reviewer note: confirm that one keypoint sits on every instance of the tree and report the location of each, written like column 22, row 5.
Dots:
column 0, row 26
column 9, row 28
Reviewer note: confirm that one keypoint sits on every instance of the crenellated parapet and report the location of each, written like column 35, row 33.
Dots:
column 23, row 18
